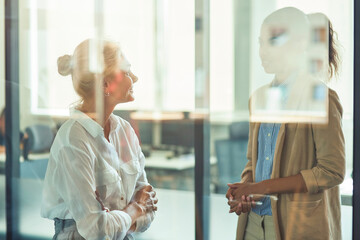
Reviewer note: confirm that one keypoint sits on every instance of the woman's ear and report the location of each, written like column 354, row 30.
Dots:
column 106, row 85
column 110, row 84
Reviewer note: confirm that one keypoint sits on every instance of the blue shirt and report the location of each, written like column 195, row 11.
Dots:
column 268, row 133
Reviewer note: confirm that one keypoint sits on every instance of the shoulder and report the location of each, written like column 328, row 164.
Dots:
column 333, row 96
column 120, row 121
column 122, row 125
column 124, row 130
column 71, row 129
column 334, row 102
column 70, row 135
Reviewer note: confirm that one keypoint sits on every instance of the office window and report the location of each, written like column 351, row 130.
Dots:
column 153, row 38
column 44, row 27
column 221, row 56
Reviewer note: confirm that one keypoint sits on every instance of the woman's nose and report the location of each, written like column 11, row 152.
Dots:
column 133, row 77
column 261, row 52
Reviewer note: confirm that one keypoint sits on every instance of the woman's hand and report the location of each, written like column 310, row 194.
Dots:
column 229, row 195
column 237, row 190
column 240, row 199
column 146, row 197
column 243, row 205
column 143, row 201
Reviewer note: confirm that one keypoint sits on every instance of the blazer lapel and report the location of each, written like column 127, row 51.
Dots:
column 255, row 147
column 278, row 149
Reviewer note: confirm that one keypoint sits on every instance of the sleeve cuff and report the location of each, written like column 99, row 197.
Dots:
column 246, row 175
column 140, row 185
column 310, row 180
column 127, row 219
column 143, row 223
column 139, row 223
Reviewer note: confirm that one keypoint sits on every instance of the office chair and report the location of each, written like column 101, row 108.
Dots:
column 231, row 155
column 40, row 138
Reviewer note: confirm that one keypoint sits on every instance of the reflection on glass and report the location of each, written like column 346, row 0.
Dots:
column 295, row 50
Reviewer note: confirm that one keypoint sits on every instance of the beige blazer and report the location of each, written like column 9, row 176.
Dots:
column 318, row 153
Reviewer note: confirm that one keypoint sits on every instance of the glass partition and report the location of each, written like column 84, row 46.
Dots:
column 2, row 104
column 203, row 87
column 274, row 53
column 56, row 66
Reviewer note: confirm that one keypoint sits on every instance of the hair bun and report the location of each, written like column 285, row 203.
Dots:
column 65, row 65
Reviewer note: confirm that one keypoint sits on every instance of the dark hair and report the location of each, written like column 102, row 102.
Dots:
column 334, row 58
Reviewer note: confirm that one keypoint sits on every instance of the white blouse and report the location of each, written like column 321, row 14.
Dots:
column 82, row 161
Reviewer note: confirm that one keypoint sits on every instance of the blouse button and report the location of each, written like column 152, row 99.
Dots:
column 122, row 198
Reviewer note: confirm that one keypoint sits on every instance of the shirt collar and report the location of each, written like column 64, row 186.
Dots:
column 114, row 122
column 92, row 126
column 89, row 124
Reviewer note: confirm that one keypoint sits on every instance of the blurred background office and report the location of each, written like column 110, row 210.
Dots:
column 166, row 41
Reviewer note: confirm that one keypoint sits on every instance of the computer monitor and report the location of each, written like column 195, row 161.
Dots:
column 145, row 132
column 178, row 133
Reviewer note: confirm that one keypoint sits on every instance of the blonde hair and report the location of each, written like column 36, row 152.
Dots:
column 84, row 80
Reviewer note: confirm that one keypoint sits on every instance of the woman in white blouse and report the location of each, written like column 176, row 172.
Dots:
column 95, row 185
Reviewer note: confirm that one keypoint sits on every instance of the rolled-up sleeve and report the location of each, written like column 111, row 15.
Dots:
column 75, row 168
column 246, row 175
column 143, row 222
column 329, row 170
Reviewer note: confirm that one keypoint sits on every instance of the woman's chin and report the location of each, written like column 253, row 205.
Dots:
column 131, row 98
column 128, row 99
column 268, row 70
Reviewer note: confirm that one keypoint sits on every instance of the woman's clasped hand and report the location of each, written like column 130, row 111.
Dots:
column 146, row 199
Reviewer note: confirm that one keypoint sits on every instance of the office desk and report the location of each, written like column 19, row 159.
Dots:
column 174, row 219
column 32, row 156
column 175, row 173
column 158, row 160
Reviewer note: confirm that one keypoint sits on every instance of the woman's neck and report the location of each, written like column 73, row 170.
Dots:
column 89, row 108
column 295, row 68
column 281, row 77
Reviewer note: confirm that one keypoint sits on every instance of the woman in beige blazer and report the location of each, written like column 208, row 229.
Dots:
column 308, row 166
